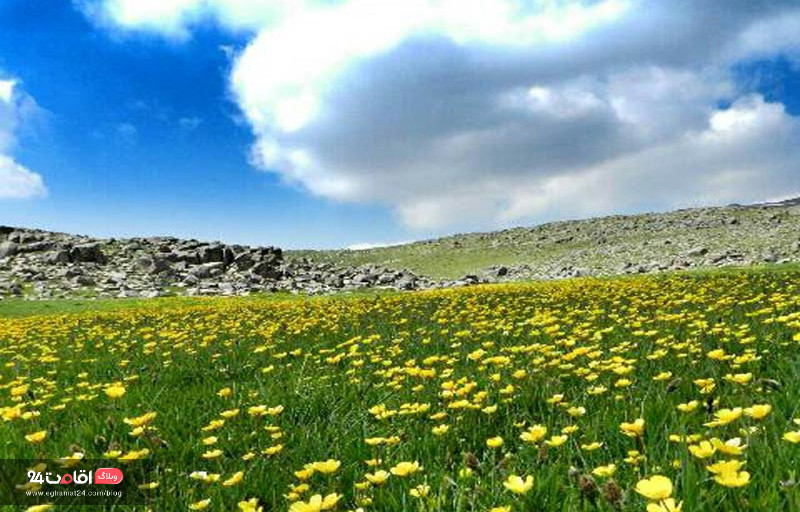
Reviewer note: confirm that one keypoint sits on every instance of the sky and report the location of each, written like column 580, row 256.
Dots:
column 337, row 123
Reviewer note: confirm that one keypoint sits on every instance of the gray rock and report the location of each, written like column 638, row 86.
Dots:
column 697, row 251
column 8, row 249
column 87, row 253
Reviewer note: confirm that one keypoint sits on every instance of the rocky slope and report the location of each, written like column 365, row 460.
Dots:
column 41, row 264
column 682, row 239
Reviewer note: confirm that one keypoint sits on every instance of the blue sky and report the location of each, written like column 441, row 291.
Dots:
column 326, row 124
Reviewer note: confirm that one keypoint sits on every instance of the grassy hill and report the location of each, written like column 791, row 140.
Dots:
column 700, row 237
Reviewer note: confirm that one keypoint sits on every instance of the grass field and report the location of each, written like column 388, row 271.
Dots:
column 651, row 393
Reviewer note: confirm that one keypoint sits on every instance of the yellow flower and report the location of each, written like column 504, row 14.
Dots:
column 758, row 412
column 420, row 491
column 378, row 477
column 517, row 484
column 200, row 505
column 605, row 471
column 115, row 390
column 230, row 413
column 730, row 447
column 726, row 466
column 667, row 505
column 19, row 390
column 732, row 478
column 316, row 503
column 590, row 447
column 655, row 488
column 702, row 450
column 792, row 437
column 140, row 421
column 250, row 505
column 39, row 508
column 635, row 429
column 328, row 466
column 534, row 434
column 725, row 416
column 440, row 430
column 234, row 479
column 272, row 450
column 405, row 468
column 212, row 454
column 494, row 442
column 688, row 406
column 36, row 437
column 507, row 508
column 148, row 486
column 576, row 412
column 225, row 392
column 556, row 441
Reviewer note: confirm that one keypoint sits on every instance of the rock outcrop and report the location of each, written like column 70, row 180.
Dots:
column 41, row 264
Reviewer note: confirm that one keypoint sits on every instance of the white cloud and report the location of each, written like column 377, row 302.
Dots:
column 175, row 18
column 16, row 181
column 470, row 112
column 6, row 90
column 363, row 246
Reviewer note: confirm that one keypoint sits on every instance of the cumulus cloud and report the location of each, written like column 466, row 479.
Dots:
column 16, row 181
column 475, row 112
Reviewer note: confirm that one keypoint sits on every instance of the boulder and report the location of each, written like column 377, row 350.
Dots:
column 8, row 249
column 87, row 253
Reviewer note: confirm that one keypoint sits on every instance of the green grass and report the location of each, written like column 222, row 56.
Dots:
column 638, row 238
column 329, row 361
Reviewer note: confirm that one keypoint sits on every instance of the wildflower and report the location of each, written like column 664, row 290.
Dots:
column 758, row 412
column 420, row 491
column 140, row 421
column 605, row 471
column 494, row 442
column 792, row 437
column 726, row 466
column 702, row 450
column 534, row 434
column 405, row 468
column 635, row 429
column 667, row 505
column 725, row 416
column 555, row 441
column 212, row 454
column 328, row 466
column 234, row 479
column 225, row 392
column 250, row 505
column 40, row 508
column 316, row 503
column 200, row 505
column 518, row 485
column 730, row 447
column 377, row 478
column 732, row 478
column 655, row 488
column 440, row 430
column 115, row 390
column 36, row 437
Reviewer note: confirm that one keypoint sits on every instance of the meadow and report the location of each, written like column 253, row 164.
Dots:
column 666, row 393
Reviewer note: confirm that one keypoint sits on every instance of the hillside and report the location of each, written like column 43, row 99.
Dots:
column 39, row 264
column 690, row 238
